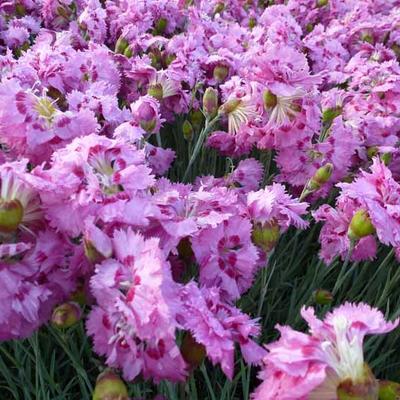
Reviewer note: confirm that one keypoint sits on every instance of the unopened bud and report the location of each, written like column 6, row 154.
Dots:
column 322, row 3
column 365, row 389
column 269, row 99
column 169, row 59
column 185, row 250
column 386, row 158
column 252, row 22
column 20, row 10
column 331, row 113
column 219, row 8
column 309, row 27
column 265, row 236
column 229, row 107
column 66, row 315
column 396, row 49
column 128, row 52
column 160, row 26
column 367, row 37
column 187, row 130
column 147, row 116
column 372, row 152
column 323, row 297
column 11, row 215
column 196, row 118
column 92, row 254
column 156, row 90
column 360, row 225
column 389, row 390
column 210, row 102
column 220, row 73
column 321, row 176
column 121, row 45
column 193, row 353
column 109, row 386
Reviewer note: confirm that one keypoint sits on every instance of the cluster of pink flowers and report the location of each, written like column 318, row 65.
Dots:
column 87, row 89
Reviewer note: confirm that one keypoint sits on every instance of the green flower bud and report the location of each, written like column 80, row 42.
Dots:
column 187, row 130
column 121, row 45
column 109, row 386
column 323, row 297
column 20, row 10
column 160, row 26
column 396, row 49
column 367, row 37
column 210, row 102
column 360, row 226
column 309, row 27
column 156, row 90
column 365, row 389
column 322, row 3
column 269, row 99
column 386, row 158
column 220, row 73
column 252, row 22
column 66, row 315
column 192, row 352
column 219, row 8
column 128, row 52
column 321, row 176
column 11, row 215
column 330, row 114
column 372, row 152
column 389, row 390
column 229, row 107
column 185, row 250
column 196, row 118
column 265, row 236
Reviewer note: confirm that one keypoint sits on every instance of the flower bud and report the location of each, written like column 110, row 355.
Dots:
column 266, row 236
column 121, row 45
column 386, row 158
column 321, row 176
column 156, row 90
column 330, row 114
column 20, row 10
column 367, row 37
column 11, row 215
column 185, row 250
column 229, row 106
column 220, row 73
column 372, row 151
column 360, row 225
column 366, row 388
column 210, row 102
column 128, row 52
column 192, row 352
column 109, row 386
column 187, row 130
column 219, row 8
column 196, row 118
column 322, row 3
column 160, row 26
column 252, row 22
column 396, row 49
column 323, row 297
column 66, row 315
column 147, row 116
column 389, row 390
column 270, row 100
column 309, row 27
column 91, row 253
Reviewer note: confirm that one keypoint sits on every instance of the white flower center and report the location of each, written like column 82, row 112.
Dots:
column 345, row 355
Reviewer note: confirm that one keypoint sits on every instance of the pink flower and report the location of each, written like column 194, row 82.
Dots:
column 273, row 204
column 227, row 257
column 312, row 366
column 217, row 326
column 137, row 303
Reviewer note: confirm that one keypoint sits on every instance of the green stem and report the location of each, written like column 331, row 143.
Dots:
column 207, row 128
